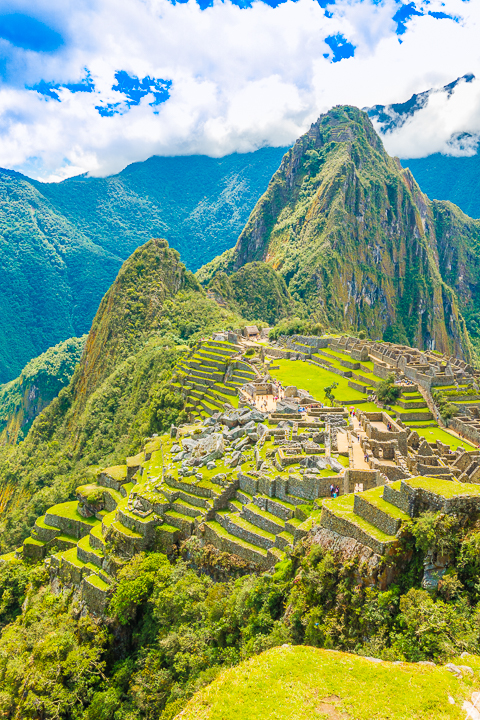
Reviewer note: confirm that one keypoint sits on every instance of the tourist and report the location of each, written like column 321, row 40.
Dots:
column 332, row 490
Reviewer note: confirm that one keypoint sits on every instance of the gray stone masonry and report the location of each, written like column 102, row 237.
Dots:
column 96, row 598
column 272, row 525
column 345, row 527
column 367, row 478
column 229, row 524
column 372, row 514
column 395, row 497
column 228, row 545
column 420, row 500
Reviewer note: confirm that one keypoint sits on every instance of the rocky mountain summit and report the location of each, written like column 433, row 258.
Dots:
column 359, row 244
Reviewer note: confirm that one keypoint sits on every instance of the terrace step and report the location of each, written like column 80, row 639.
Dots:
column 185, row 508
column 226, row 542
column 338, row 515
column 89, row 554
column 243, row 497
column 276, row 555
column 371, row 506
column 66, row 517
column 263, row 519
column 45, row 532
column 245, row 530
column 280, row 508
column 284, row 540
column 235, row 506
column 184, row 523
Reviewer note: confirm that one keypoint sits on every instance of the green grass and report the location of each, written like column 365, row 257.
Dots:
column 97, row 582
column 375, row 497
column 306, row 683
column 117, row 472
column 69, row 510
column 432, row 434
column 343, row 507
column 445, row 488
column 219, row 530
column 314, row 378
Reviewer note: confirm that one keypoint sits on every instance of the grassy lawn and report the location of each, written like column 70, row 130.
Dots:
column 432, row 434
column 445, row 488
column 306, row 683
column 313, row 378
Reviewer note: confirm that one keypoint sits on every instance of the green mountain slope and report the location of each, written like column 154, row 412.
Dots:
column 306, row 683
column 354, row 238
column 120, row 391
column 22, row 399
column 445, row 177
column 51, row 275
column 256, row 290
column 62, row 244
column 199, row 204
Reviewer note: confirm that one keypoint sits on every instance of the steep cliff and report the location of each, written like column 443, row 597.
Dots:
column 354, row 238
column 22, row 399
column 256, row 291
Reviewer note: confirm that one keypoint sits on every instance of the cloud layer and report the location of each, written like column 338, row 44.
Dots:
column 109, row 83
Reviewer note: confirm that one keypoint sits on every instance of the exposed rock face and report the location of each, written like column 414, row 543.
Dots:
column 355, row 239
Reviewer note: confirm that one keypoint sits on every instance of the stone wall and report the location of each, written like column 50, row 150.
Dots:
column 372, row 514
column 367, row 478
column 470, row 432
column 348, row 528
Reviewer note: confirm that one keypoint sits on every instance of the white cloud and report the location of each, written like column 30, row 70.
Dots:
column 241, row 78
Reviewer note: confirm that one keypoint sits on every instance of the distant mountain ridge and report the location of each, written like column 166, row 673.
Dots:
column 441, row 177
column 62, row 244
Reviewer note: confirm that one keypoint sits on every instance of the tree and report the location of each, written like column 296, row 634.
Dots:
column 387, row 391
column 329, row 393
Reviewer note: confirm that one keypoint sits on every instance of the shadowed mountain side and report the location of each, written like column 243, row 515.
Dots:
column 256, row 291
column 121, row 389
column 22, row 399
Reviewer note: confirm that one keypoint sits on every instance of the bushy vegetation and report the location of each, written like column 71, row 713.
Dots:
column 22, row 399
column 121, row 391
column 171, row 629
column 295, row 326
column 256, row 291
column 387, row 392
column 446, row 408
column 64, row 243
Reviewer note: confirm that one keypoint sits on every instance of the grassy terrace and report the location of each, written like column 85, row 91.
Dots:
column 343, row 507
column 432, row 434
column 314, row 378
column 70, row 510
column 445, row 488
column 374, row 496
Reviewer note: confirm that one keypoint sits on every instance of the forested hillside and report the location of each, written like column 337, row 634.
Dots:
column 62, row 244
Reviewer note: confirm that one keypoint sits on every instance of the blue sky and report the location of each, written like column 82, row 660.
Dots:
column 91, row 85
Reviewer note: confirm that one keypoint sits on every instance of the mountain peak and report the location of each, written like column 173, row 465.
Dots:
column 353, row 237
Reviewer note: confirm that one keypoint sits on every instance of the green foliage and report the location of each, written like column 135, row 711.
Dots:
column 22, row 399
column 387, row 392
column 295, row 326
column 329, row 392
column 307, row 227
column 256, row 291
column 63, row 243
column 446, row 408
column 14, row 579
